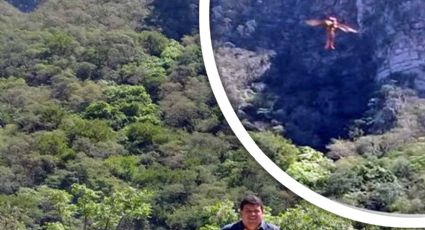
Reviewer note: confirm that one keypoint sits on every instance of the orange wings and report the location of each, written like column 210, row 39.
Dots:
column 341, row 26
column 314, row 22
column 346, row 28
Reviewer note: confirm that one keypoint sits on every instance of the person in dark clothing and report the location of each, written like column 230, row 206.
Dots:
column 251, row 211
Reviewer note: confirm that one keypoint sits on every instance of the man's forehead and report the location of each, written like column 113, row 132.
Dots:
column 251, row 207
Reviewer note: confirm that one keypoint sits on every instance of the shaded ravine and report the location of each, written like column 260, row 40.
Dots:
column 317, row 95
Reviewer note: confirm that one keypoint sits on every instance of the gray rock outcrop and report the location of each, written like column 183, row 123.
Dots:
column 398, row 28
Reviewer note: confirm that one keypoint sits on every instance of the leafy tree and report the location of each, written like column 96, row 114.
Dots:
column 129, row 203
column 20, row 210
column 311, row 167
column 280, row 150
column 87, row 202
column 60, row 43
column 191, row 58
column 64, row 85
column 171, row 53
column 101, row 149
column 179, row 111
column 129, row 104
column 53, row 143
column 306, row 216
column 46, row 116
column 7, row 180
column 29, row 167
column 184, row 218
column 204, row 149
column 42, row 73
column 365, row 184
column 219, row 214
column 123, row 166
column 154, row 42
column 97, row 130
column 86, row 92
column 149, row 72
column 92, row 172
column 55, row 226
column 100, row 110
column 142, row 135
column 109, row 212
column 50, row 115
column 86, row 70
column 57, row 204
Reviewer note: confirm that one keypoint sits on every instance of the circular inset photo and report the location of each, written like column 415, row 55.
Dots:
column 332, row 93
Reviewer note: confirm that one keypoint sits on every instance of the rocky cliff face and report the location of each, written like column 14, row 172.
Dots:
column 319, row 93
column 398, row 29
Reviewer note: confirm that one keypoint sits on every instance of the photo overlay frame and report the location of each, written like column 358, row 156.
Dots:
column 340, row 209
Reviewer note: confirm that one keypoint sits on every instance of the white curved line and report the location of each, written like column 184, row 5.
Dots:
column 350, row 212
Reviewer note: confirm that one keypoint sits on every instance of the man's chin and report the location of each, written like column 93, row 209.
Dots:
column 252, row 222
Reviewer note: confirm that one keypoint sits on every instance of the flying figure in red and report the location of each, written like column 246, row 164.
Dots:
column 330, row 24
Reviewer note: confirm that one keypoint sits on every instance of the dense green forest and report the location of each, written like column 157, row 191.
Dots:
column 108, row 122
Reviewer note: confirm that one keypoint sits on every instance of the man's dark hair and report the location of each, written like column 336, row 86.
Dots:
column 251, row 199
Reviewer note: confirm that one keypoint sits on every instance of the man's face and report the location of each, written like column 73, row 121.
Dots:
column 252, row 215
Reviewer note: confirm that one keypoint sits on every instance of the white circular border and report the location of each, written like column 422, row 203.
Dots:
column 350, row 212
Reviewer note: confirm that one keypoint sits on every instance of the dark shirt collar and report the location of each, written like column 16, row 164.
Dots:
column 262, row 226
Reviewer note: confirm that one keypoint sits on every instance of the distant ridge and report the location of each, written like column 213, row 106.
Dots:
column 24, row 5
